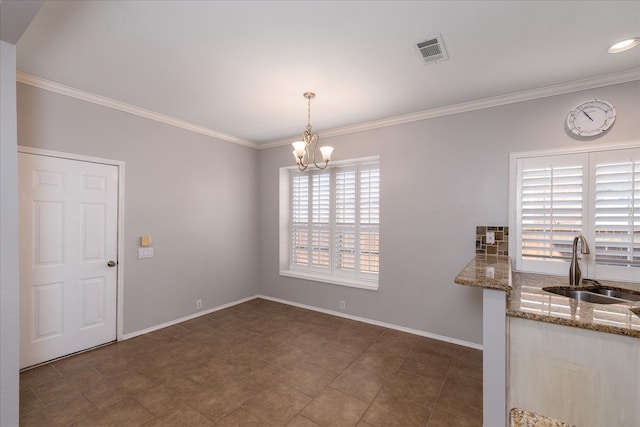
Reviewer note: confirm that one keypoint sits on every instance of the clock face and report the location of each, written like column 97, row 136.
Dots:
column 591, row 118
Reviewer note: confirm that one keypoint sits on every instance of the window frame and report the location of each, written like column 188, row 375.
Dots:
column 588, row 263
column 331, row 276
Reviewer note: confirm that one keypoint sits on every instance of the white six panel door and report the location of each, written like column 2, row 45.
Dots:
column 68, row 234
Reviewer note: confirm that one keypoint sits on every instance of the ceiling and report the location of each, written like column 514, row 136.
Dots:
column 239, row 68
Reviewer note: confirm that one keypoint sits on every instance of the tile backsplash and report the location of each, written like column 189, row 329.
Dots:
column 501, row 244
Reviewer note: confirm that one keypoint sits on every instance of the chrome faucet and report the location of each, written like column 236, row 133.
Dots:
column 574, row 269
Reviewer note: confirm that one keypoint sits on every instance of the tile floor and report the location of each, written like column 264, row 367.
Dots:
column 260, row 363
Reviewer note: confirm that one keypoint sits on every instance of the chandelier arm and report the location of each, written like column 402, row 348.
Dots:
column 315, row 149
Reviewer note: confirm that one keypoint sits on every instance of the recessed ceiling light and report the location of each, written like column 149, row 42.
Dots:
column 624, row 45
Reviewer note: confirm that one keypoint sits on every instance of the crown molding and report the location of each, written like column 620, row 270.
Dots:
column 560, row 89
column 39, row 82
column 512, row 98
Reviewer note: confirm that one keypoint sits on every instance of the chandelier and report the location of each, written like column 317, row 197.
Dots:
column 301, row 148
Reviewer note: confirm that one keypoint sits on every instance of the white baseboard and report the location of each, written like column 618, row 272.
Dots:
column 307, row 307
column 377, row 323
column 184, row 319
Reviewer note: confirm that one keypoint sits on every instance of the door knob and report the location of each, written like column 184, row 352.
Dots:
column 111, row 264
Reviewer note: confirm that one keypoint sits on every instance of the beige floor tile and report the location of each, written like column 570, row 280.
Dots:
column 229, row 389
column 214, row 405
column 307, row 379
column 181, row 416
column 184, row 387
column 414, row 388
column 330, row 359
column 163, row 369
column 432, row 346
column 451, row 413
column 211, row 370
column 118, row 365
column 158, row 399
column 398, row 344
column 109, row 391
column 286, row 357
column 300, row 421
column 334, row 408
column 462, row 388
column 469, row 362
column 66, row 386
column 61, row 413
column 29, row 402
column 240, row 418
column 360, row 384
column 277, row 404
column 390, row 410
column 430, row 365
column 86, row 360
column 40, row 375
column 127, row 412
column 378, row 363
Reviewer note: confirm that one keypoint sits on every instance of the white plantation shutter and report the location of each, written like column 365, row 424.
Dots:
column 616, row 213
column 335, row 218
column 550, row 211
column 345, row 234
column 596, row 194
column 369, row 220
column 320, row 216
column 299, row 220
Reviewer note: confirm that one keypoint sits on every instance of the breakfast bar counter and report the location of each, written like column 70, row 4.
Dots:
column 535, row 341
column 527, row 300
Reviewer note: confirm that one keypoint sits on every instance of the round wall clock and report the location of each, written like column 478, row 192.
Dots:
column 591, row 118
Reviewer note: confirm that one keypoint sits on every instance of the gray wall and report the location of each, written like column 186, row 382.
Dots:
column 440, row 178
column 14, row 19
column 9, row 313
column 212, row 207
column 195, row 195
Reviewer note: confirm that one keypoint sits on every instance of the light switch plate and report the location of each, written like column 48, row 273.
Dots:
column 491, row 237
column 145, row 252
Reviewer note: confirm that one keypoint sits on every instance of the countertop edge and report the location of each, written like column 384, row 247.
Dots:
column 575, row 324
column 487, row 272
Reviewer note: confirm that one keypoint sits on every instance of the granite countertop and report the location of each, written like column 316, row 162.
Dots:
column 526, row 299
column 522, row 418
column 487, row 272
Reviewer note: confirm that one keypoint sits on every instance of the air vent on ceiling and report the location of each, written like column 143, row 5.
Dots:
column 432, row 50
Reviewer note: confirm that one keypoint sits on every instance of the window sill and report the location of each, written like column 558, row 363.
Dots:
column 352, row 283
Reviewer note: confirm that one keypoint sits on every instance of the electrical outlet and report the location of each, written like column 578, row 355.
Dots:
column 342, row 305
column 199, row 304
column 491, row 238
column 145, row 252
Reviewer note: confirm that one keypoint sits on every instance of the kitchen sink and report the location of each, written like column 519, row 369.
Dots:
column 584, row 294
column 597, row 294
column 617, row 293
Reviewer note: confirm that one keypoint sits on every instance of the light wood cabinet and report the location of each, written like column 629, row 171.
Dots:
column 579, row 376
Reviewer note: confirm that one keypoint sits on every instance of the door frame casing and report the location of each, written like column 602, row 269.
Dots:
column 120, row 227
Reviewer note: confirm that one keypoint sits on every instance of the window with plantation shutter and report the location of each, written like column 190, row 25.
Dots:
column 334, row 220
column 369, row 220
column 594, row 193
column 551, row 208
column 616, row 213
